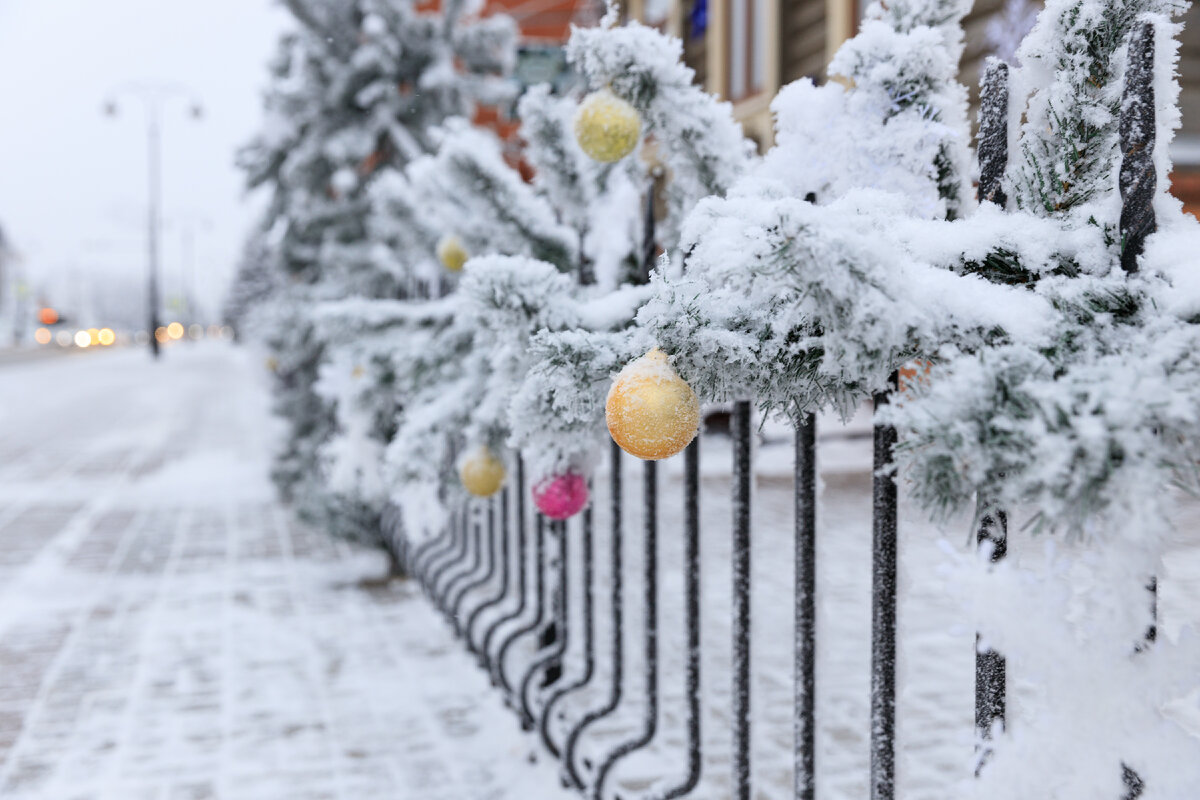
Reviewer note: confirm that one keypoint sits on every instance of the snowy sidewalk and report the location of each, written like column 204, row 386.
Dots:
column 166, row 630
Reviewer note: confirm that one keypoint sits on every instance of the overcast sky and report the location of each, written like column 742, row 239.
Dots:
column 73, row 182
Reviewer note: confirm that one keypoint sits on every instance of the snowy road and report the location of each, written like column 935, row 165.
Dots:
column 167, row 632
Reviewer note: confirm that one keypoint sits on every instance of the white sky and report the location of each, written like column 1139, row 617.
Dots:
column 73, row 181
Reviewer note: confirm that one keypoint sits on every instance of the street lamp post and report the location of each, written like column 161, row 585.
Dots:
column 155, row 97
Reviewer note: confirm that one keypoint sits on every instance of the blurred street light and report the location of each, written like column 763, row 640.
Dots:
column 155, row 97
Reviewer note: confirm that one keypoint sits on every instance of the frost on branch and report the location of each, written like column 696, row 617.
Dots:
column 1073, row 63
column 695, row 135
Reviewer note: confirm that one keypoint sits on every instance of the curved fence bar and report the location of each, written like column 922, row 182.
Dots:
column 466, row 565
column 539, row 607
column 805, row 497
column 449, row 559
column 505, row 567
column 497, row 675
column 439, row 546
column 589, row 644
column 617, row 633
column 482, row 576
column 883, row 611
column 691, row 590
column 650, row 635
column 419, row 555
column 543, row 664
column 740, row 424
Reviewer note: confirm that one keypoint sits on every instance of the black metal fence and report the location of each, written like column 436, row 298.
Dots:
column 503, row 575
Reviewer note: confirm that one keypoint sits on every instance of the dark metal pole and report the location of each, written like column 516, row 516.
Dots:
column 539, row 605
column 805, row 497
column 154, row 149
column 589, row 634
column 993, row 132
column 505, row 576
column 1138, row 181
column 741, row 599
column 559, row 645
column 1138, row 185
column 450, row 557
column 990, row 668
column 497, row 673
column 649, row 633
column 460, row 567
column 481, row 579
column 691, row 591
column 883, row 611
column 616, row 642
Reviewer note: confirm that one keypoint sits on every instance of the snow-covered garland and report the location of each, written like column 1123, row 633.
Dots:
column 1025, row 316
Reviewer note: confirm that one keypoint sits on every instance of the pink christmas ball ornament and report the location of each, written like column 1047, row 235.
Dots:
column 561, row 496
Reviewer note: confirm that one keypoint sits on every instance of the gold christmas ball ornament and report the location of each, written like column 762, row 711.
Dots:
column 651, row 412
column 452, row 253
column 482, row 473
column 607, row 127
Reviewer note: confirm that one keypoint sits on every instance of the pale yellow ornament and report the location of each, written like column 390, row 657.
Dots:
column 452, row 253
column 607, row 127
column 482, row 473
column 272, row 364
column 651, row 412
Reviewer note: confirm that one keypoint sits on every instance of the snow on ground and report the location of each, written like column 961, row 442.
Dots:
column 166, row 631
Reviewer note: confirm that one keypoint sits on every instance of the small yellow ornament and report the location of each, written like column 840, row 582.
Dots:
column 651, row 412
column 482, row 474
column 272, row 364
column 452, row 253
column 358, row 371
column 607, row 127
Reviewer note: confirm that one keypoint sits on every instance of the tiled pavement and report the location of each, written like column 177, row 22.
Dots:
column 168, row 632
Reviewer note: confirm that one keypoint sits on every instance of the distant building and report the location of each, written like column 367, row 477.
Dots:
column 746, row 50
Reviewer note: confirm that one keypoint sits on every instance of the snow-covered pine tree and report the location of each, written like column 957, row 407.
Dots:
column 254, row 287
column 557, row 413
column 534, row 252
column 356, row 92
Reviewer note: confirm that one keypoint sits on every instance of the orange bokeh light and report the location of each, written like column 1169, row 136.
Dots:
column 48, row 316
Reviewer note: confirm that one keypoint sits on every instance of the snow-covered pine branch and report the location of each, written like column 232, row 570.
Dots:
column 694, row 134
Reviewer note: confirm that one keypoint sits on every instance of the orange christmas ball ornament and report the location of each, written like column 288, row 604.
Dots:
column 482, row 473
column 651, row 412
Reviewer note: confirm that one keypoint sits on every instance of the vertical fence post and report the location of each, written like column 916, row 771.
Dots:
column 1138, row 179
column 649, row 632
column 990, row 668
column 504, row 560
column 691, row 610
column 883, row 610
column 589, row 635
column 498, row 678
column 616, row 646
column 558, row 646
column 539, row 605
column 805, row 496
column 741, row 599
column 1138, row 184
column 461, row 618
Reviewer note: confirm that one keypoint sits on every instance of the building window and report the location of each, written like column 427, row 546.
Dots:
column 748, row 25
